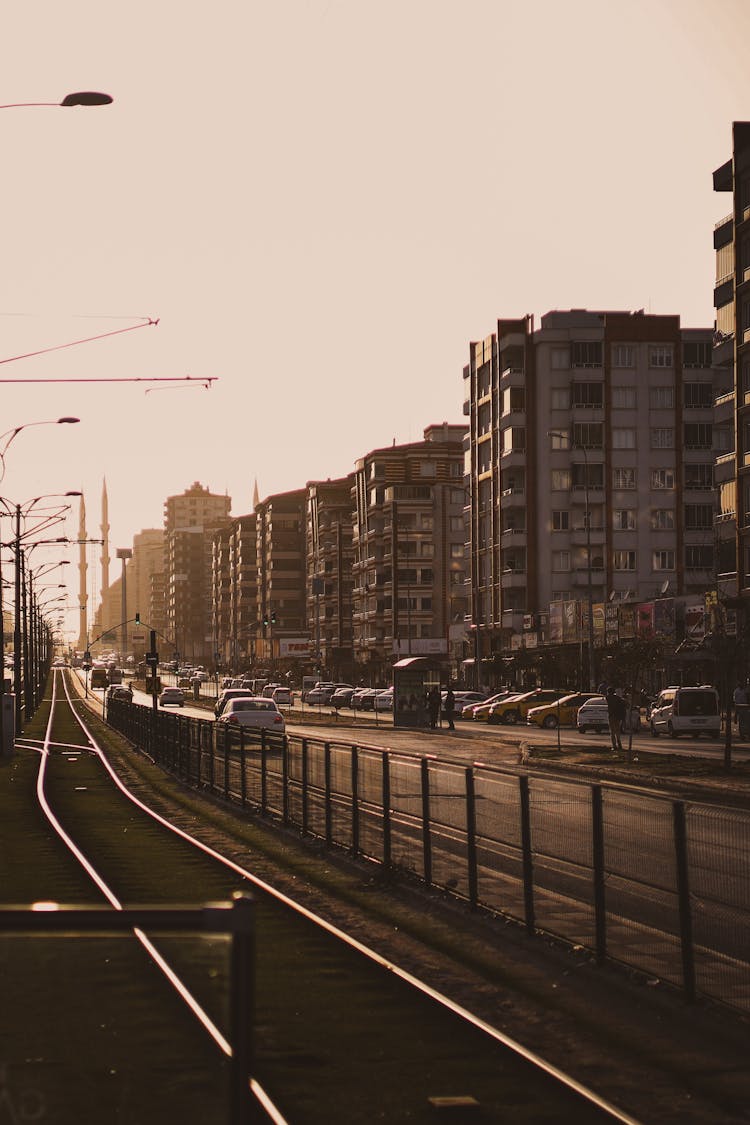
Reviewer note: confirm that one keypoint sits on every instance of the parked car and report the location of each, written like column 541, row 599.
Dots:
column 686, row 710
column 120, row 691
column 268, row 689
column 342, row 697
column 384, row 700
column 593, row 715
column 282, row 696
column 356, row 699
column 253, row 711
column 321, row 694
column 480, row 711
column 462, row 700
column 560, row 712
column 367, row 699
column 230, row 693
column 172, row 697
column 515, row 708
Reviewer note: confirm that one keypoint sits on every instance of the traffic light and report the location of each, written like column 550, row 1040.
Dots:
column 273, row 618
column 265, row 620
column 137, row 618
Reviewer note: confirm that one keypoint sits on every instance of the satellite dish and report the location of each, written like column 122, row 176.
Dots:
column 613, row 595
column 664, row 586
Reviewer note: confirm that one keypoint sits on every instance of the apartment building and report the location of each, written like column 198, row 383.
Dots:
column 281, row 625
column 731, row 357
column 409, row 565
column 330, row 553
column 590, row 466
column 191, row 521
column 235, row 592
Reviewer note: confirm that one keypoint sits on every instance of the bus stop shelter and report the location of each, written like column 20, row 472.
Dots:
column 413, row 678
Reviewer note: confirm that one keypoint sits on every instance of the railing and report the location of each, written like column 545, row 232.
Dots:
column 236, row 918
column 637, row 878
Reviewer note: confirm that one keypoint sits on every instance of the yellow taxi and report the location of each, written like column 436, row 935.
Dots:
column 563, row 711
column 480, row 711
column 515, row 707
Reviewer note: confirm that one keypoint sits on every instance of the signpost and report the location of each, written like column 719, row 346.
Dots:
column 152, row 680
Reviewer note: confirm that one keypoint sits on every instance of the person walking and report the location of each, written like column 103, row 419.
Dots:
column 616, row 710
column 450, row 707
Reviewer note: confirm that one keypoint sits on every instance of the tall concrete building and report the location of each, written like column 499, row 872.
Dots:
column 590, row 466
column 409, row 566
column 190, row 522
column 732, row 359
column 281, row 629
column 235, row 592
column 330, row 552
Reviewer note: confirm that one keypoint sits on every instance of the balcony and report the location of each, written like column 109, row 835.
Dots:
column 513, row 580
column 513, row 497
column 579, row 537
column 580, row 577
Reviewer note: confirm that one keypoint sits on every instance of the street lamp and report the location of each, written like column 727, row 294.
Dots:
column 84, row 97
column 587, row 522
column 11, row 434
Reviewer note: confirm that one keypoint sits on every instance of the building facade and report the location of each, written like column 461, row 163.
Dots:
column 281, row 637
column 329, row 553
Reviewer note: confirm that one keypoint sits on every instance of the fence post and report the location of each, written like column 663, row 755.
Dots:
column 284, row 778
column 199, row 748
column 241, row 1007
column 683, row 898
column 471, row 836
column 211, row 756
column 526, row 855
column 327, row 777
column 386, row 763
column 263, row 773
column 304, row 787
column 243, row 769
column 597, row 846
column 424, row 769
column 355, row 800
column 227, row 747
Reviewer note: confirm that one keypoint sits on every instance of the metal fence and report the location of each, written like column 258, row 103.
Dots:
column 658, row 884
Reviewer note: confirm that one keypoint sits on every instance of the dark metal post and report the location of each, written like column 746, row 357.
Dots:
column 597, row 843
column 386, row 763
column 471, row 836
column 327, row 777
column 305, row 795
column 355, row 800
column 426, row 837
column 243, row 769
column 526, row 853
column 241, row 1001
column 683, row 896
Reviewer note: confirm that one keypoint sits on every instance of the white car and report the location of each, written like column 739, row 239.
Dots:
column 593, row 715
column 172, row 697
column 282, row 697
column 686, row 710
column 384, row 700
column 253, row 711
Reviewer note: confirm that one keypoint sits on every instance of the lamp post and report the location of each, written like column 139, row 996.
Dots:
column 587, row 523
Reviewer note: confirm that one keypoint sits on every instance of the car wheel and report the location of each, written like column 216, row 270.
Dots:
column 510, row 718
column 583, row 730
column 654, row 731
column 550, row 722
column 494, row 720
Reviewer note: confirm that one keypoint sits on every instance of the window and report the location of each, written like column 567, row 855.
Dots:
column 661, row 398
column 662, row 437
column 514, row 399
column 699, row 517
column 427, row 469
column 623, row 519
column 594, row 479
column 562, row 596
column 698, row 435
column 623, row 355
column 559, row 439
column 586, row 353
column 457, row 550
column 560, row 398
column 723, row 439
column 662, row 519
column 588, row 435
column 456, row 523
column 458, row 496
column 699, row 557
column 660, row 355
column 624, row 560
column 696, row 353
column 561, row 521
column 560, row 561
column 623, row 438
column 624, row 398
column 587, row 394
column 514, row 439
column 623, row 479
column 662, row 478
column 699, row 477
column 560, row 359
column 698, row 396
column 662, row 560
column 561, row 480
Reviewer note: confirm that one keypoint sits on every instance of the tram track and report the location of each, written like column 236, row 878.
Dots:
column 342, row 1033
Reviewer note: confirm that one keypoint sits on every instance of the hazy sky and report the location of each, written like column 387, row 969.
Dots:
column 323, row 202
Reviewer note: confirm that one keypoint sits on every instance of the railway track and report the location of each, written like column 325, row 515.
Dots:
column 340, row 1034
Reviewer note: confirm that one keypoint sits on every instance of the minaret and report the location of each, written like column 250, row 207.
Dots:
column 256, row 497
column 105, row 558
column 83, row 640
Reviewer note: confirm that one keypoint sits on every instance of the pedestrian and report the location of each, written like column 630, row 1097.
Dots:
column 739, row 698
column 616, row 710
column 433, row 705
column 450, row 707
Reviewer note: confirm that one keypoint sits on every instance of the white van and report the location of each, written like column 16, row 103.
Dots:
column 686, row 710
